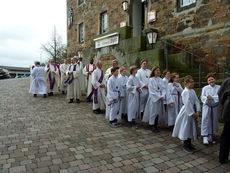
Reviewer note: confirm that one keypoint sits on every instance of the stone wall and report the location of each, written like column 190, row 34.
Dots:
column 205, row 26
column 89, row 13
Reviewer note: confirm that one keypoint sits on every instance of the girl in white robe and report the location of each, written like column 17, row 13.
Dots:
column 123, row 80
column 186, row 125
column 210, row 100
column 154, row 110
column 134, row 93
column 174, row 102
column 114, row 96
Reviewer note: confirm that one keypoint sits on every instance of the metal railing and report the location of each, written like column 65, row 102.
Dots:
column 201, row 59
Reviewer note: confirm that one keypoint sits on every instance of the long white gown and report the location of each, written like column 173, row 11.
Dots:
column 113, row 92
column 63, row 69
column 185, row 125
column 101, row 99
column 38, row 84
column 77, row 79
column 143, row 76
column 89, row 68
column 52, row 78
column 133, row 97
column 209, row 124
column 123, row 81
column 69, row 82
column 154, row 105
column 174, row 96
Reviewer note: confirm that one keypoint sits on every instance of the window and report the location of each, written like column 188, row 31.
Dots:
column 187, row 2
column 80, row 2
column 81, row 33
column 104, row 22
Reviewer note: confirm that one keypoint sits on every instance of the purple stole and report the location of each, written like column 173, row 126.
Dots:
column 95, row 91
column 70, row 79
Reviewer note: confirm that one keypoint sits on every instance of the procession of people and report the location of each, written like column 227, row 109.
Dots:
column 144, row 95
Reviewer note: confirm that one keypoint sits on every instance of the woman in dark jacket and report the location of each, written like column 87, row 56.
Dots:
column 224, row 99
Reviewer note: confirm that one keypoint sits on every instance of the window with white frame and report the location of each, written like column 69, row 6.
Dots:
column 104, row 22
column 187, row 2
column 81, row 32
column 80, row 2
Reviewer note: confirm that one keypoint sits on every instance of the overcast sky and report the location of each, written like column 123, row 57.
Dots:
column 25, row 25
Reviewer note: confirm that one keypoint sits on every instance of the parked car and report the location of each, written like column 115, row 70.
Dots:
column 4, row 74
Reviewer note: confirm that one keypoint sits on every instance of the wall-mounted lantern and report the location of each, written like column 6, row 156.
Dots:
column 125, row 5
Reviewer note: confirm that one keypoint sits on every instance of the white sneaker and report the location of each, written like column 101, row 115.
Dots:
column 205, row 140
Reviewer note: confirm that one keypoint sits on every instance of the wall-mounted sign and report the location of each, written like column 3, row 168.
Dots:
column 107, row 40
column 70, row 18
column 152, row 16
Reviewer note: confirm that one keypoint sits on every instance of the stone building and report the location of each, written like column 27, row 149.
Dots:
column 102, row 29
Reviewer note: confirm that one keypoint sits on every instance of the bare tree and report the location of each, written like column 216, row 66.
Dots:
column 55, row 48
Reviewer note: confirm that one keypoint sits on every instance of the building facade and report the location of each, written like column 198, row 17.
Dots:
column 103, row 29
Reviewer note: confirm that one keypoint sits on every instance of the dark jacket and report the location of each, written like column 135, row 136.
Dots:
column 224, row 99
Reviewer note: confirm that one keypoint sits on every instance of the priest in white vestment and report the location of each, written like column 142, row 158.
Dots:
column 38, row 84
column 87, row 71
column 52, row 74
column 63, row 69
column 98, row 82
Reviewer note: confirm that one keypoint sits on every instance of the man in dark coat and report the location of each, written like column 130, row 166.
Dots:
column 224, row 99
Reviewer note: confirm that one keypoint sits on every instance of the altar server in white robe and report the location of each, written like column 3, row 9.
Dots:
column 154, row 110
column 174, row 100
column 134, row 94
column 114, row 97
column 70, row 81
column 143, row 76
column 186, row 125
column 98, row 82
column 38, row 84
column 87, row 71
column 108, row 73
column 210, row 100
column 77, row 79
column 123, row 80
column 63, row 69
column 52, row 75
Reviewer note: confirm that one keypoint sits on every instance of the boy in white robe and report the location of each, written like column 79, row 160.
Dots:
column 123, row 80
column 38, row 84
column 210, row 100
column 143, row 76
column 186, row 125
column 52, row 74
column 174, row 100
column 114, row 97
column 87, row 71
column 154, row 110
column 63, row 69
column 98, row 82
column 134, row 94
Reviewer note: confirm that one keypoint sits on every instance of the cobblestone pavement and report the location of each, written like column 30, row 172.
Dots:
column 50, row 135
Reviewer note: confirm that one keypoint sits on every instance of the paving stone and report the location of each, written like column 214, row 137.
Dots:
column 69, row 137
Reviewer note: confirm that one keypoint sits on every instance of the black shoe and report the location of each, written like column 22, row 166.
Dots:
column 44, row 95
column 35, row 95
column 223, row 161
column 187, row 149
column 51, row 94
column 96, row 111
column 71, row 101
column 63, row 92
column 78, row 101
column 192, row 147
column 155, row 130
